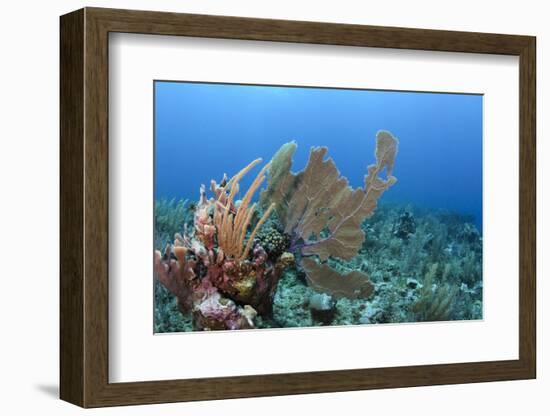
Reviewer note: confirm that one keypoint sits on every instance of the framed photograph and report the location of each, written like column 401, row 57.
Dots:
column 255, row 207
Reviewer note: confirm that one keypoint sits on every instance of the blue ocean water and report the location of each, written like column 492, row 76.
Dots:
column 205, row 130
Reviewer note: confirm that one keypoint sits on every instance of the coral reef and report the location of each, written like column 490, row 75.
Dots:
column 312, row 251
column 217, row 276
column 408, row 287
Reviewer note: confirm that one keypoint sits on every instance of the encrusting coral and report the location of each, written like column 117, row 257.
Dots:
column 221, row 272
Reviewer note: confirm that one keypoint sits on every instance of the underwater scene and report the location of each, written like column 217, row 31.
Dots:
column 284, row 206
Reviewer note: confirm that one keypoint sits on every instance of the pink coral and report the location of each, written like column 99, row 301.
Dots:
column 216, row 312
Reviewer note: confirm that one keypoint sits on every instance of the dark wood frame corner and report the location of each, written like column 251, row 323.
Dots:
column 84, row 207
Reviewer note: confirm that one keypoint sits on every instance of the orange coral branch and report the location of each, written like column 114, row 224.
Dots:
column 232, row 226
column 253, row 234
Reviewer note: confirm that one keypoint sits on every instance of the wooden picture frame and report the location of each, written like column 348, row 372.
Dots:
column 84, row 207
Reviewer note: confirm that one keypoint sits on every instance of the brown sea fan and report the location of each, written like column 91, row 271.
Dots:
column 318, row 208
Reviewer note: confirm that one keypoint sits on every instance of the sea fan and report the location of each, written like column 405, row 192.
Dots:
column 322, row 213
